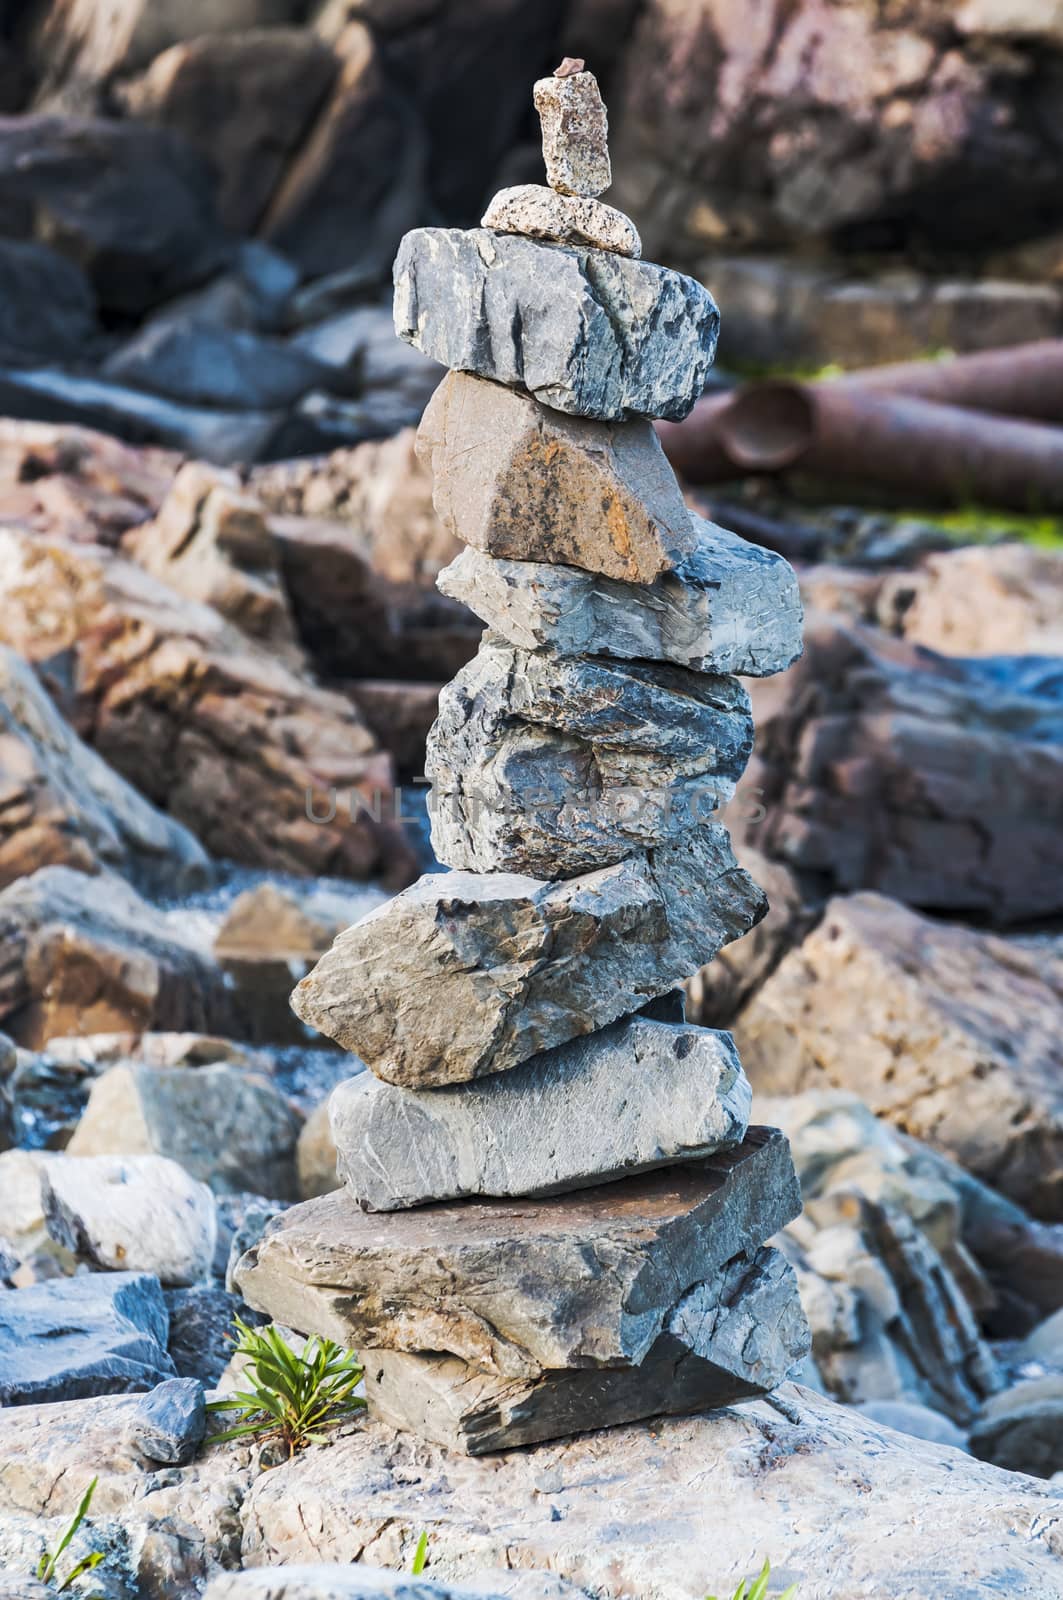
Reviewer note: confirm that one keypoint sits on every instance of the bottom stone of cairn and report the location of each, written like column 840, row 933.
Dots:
column 735, row 1336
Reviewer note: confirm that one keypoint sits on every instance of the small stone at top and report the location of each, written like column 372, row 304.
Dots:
column 575, row 131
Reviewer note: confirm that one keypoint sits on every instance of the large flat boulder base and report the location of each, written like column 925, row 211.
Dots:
column 519, row 1287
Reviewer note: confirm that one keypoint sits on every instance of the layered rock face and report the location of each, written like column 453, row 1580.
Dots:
column 554, row 1209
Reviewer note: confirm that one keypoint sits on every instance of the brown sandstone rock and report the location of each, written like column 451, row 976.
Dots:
column 539, row 486
column 60, row 805
column 201, row 719
column 87, row 955
column 80, row 485
column 951, row 1034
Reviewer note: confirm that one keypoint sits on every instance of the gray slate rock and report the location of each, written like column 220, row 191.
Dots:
column 555, row 767
column 585, row 331
column 653, row 1092
column 170, row 1424
column 47, row 307
column 98, row 1333
column 470, row 973
column 201, row 1329
column 737, row 1335
column 1022, row 1428
column 517, row 1287
column 198, row 365
column 731, row 607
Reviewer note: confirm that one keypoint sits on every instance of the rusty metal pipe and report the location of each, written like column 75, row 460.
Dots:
column 1024, row 380
column 838, row 430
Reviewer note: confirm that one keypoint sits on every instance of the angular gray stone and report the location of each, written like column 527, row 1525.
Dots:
column 100, row 1333
column 469, row 973
column 201, row 1329
column 739, row 1334
column 231, row 1129
column 540, row 213
column 652, row 1092
column 169, row 1425
column 555, row 767
column 575, row 133
column 517, row 1287
column 585, row 331
column 513, row 478
column 731, row 607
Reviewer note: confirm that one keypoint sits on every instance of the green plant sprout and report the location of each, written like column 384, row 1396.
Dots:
column 420, row 1556
column 290, row 1397
column 759, row 1590
column 50, row 1559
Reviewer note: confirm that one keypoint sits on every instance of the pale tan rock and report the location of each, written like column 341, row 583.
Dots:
column 1004, row 599
column 950, row 1033
column 575, row 134
column 517, row 480
column 541, row 213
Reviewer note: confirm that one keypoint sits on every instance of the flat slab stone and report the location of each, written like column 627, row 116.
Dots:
column 555, row 767
column 541, row 213
column 575, row 133
column 516, row 479
column 653, row 1092
column 585, row 331
column 466, row 973
column 730, row 607
column 99, row 1333
column 737, row 1335
column 518, row 1287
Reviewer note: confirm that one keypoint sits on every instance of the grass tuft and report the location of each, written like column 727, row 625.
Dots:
column 291, row 1398
column 757, row 1588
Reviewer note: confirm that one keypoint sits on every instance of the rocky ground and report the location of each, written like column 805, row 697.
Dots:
column 221, row 650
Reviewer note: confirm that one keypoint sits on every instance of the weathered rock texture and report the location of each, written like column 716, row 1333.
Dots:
column 230, row 1128
column 736, row 1335
column 88, row 955
column 514, row 479
column 557, row 767
column 938, row 782
column 652, row 1092
column 60, row 805
column 584, row 331
column 575, row 133
column 919, row 1017
column 110, row 1213
column 465, row 974
column 198, row 717
column 984, row 600
column 518, row 1287
column 103, row 1333
column 729, row 607
column 539, row 213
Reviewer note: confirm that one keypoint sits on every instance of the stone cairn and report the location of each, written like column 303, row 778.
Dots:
column 554, row 1209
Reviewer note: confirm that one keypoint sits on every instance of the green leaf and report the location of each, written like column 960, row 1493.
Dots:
column 86, row 1564
column 420, row 1555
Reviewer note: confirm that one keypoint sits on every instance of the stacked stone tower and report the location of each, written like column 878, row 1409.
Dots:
column 554, row 1210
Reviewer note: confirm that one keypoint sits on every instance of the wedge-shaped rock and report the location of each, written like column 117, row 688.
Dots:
column 585, row 331
column 575, row 133
column 653, row 1092
column 735, row 1336
column 469, row 973
column 516, row 480
column 518, row 1287
column 729, row 607
column 556, row 767
column 541, row 213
